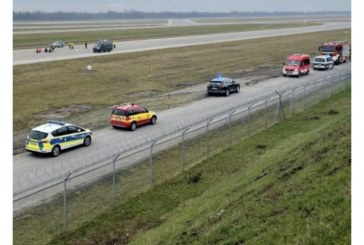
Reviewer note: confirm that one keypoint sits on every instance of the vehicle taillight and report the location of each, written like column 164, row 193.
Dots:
column 221, row 86
column 45, row 141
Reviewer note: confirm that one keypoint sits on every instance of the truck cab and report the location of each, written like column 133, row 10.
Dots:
column 296, row 65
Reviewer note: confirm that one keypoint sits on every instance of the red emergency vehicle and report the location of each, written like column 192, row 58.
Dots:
column 339, row 51
column 296, row 65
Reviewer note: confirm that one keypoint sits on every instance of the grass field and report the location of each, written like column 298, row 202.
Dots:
column 22, row 41
column 289, row 184
column 58, row 87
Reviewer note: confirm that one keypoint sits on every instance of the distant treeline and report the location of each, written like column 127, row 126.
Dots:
column 132, row 14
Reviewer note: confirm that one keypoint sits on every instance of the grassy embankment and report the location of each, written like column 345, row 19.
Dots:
column 23, row 41
column 289, row 184
column 66, row 90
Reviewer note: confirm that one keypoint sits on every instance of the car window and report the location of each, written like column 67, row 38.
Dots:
column 227, row 82
column 37, row 135
column 143, row 110
column 119, row 112
column 319, row 60
column 72, row 129
column 134, row 112
column 292, row 62
column 218, row 83
column 60, row 132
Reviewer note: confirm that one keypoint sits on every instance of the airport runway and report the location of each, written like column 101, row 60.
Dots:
column 29, row 56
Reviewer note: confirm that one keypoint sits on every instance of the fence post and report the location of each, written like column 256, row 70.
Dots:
column 292, row 102
column 183, row 148
column 314, row 93
column 151, row 163
column 113, row 180
column 304, row 97
column 280, row 107
column 230, row 116
column 207, row 138
column 265, row 113
column 65, row 178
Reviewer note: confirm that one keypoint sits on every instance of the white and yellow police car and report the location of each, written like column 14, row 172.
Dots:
column 55, row 136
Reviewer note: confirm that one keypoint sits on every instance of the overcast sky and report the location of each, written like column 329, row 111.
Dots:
column 181, row 5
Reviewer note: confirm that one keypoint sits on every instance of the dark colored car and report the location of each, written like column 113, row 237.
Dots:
column 222, row 85
column 103, row 46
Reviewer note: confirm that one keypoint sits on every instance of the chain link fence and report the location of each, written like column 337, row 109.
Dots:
column 82, row 195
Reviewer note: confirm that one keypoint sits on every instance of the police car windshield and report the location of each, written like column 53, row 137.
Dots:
column 120, row 112
column 319, row 60
column 37, row 135
column 292, row 62
column 328, row 48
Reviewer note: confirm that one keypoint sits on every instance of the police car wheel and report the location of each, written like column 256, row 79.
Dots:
column 153, row 121
column 56, row 150
column 133, row 126
column 87, row 141
column 238, row 89
column 227, row 92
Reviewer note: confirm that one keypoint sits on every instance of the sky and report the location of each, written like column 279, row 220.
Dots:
column 181, row 5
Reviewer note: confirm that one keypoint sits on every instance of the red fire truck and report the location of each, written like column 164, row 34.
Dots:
column 340, row 51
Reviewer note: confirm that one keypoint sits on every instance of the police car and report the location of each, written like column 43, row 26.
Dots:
column 323, row 62
column 222, row 85
column 131, row 116
column 55, row 136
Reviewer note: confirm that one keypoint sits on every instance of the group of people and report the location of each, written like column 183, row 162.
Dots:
column 46, row 50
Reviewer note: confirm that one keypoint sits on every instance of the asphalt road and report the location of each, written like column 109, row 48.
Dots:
column 29, row 56
column 31, row 171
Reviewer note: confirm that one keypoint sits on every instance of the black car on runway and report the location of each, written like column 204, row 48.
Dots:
column 222, row 85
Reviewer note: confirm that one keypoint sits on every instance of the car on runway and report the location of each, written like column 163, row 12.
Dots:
column 131, row 116
column 103, row 46
column 55, row 136
column 323, row 62
column 222, row 85
column 57, row 44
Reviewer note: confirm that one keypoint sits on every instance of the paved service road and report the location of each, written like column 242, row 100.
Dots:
column 29, row 56
column 30, row 171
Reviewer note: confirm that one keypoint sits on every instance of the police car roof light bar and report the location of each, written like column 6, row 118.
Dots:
column 56, row 122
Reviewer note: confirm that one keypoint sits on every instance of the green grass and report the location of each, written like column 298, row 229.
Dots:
column 44, row 89
column 21, row 41
column 289, row 184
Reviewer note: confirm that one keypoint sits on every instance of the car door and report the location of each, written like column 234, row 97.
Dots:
column 234, row 85
column 61, row 138
column 74, row 136
column 145, row 115
column 228, row 85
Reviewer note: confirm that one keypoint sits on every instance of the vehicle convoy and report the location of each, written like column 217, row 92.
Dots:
column 55, row 136
column 323, row 62
column 131, row 116
column 339, row 51
column 296, row 65
column 103, row 46
column 222, row 85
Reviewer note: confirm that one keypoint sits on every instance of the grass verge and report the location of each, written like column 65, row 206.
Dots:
column 65, row 88
column 288, row 184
